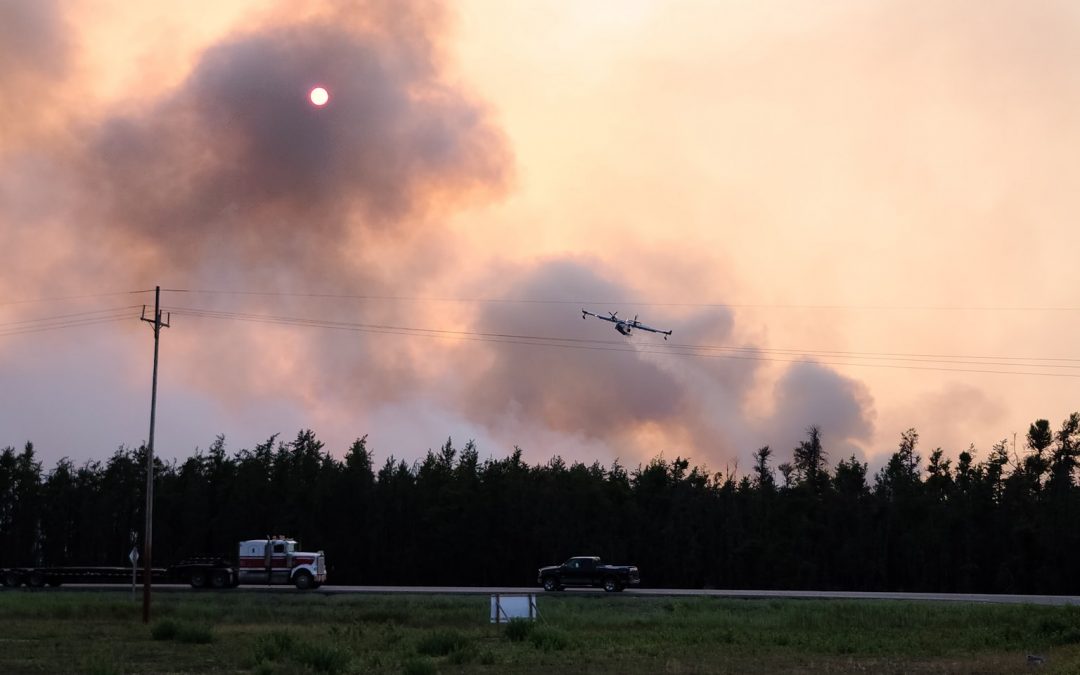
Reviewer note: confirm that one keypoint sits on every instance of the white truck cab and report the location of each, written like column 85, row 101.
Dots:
column 278, row 560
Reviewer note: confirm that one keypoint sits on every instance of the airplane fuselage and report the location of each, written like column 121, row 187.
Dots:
column 625, row 326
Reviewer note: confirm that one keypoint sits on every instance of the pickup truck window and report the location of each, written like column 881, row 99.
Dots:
column 581, row 563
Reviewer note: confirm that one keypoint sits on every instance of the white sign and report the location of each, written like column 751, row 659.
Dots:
column 134, row 555
column 506, row 607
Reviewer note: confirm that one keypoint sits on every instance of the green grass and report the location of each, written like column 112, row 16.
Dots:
column 441, row 642
column 519, row 629
column 102, row 632
column 182, row 631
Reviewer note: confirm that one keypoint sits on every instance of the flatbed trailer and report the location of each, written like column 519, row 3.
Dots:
column 38, row 577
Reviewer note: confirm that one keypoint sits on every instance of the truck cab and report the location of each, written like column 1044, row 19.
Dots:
column 278, row 560
column 580, row 570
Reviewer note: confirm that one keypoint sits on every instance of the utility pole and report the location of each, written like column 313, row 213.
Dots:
column 148, row 533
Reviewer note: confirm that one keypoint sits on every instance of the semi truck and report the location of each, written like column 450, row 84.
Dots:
column 269, row 561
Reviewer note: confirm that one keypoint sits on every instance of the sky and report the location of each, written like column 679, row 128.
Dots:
column 857, row 215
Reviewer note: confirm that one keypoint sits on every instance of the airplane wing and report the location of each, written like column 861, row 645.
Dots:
column 641, row 326
column 612, row 319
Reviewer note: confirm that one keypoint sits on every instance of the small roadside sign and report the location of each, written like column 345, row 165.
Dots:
column 505, row 607
column 134, row 558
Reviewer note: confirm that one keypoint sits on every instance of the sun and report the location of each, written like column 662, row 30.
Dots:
column 319, row 96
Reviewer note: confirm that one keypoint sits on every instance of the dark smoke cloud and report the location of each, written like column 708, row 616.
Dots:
column 814, row 394
column 698, row 406
column 577, row 391
column 235, row 180
column 237, row 163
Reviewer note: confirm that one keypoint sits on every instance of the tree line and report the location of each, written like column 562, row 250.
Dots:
column 1006, row 523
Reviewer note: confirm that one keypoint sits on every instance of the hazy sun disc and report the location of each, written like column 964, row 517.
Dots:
column 319, row 96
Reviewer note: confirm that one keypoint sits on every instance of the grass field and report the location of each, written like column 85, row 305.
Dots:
column 237, row 632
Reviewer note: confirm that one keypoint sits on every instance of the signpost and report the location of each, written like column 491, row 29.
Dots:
column 134, row 558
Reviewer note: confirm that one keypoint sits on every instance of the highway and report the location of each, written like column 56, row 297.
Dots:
column 629, row 593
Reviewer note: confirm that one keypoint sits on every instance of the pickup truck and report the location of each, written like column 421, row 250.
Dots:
column 588, row 571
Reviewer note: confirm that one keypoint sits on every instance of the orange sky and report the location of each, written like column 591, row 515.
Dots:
column 820, row 177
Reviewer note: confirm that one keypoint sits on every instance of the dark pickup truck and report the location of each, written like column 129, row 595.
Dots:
column 588, row 571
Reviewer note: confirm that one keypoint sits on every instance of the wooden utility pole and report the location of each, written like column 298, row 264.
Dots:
column 148, row 534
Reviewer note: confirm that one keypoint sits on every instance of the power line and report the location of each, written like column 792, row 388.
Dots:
column 894, row 356
column 825, row 357
column 595, row 345
column 68, row 324
column 58, row 298
column 73, row 314
column 900, row 356
column 628, row 303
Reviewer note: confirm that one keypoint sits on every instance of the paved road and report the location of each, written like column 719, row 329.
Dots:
column 720, row 593
column 636, row 592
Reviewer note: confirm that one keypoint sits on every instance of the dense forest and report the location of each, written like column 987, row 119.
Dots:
column 1007, row 523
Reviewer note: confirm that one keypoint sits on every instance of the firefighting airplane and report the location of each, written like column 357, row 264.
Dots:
column 625, row 326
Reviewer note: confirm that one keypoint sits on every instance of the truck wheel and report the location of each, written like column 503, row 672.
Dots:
column 12, row 579
column 304, row 581
column 610, row 585
column 219, row 579
column 197, row 579
column 36, row 580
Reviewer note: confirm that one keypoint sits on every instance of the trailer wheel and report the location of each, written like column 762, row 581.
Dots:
column 304, row 581
column 219, row 579
column 197, row 579
column 36, row 580
column 54, row 583
column 12, row 579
